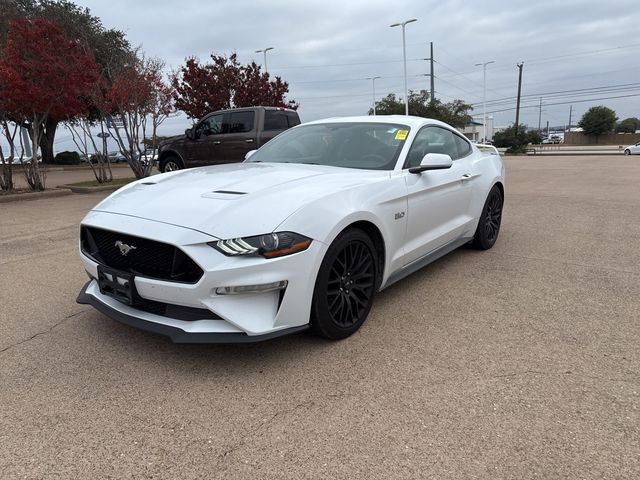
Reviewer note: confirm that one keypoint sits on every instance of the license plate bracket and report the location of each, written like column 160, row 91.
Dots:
column 117, row 284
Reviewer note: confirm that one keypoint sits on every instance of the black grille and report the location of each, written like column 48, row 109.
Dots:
column 148, row 259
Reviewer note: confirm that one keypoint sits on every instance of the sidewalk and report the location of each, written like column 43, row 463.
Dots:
column 57, row 175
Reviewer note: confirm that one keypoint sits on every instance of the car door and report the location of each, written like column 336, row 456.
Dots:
column 240, row 138
column 206, row 146
column 635, row 149
column 438, row 201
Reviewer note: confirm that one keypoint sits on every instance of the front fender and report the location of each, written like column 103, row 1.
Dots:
column 384, row 205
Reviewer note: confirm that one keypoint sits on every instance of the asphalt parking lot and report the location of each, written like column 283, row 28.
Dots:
column 519, row 362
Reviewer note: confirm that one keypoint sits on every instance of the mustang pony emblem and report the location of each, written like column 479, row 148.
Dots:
column 124, row 248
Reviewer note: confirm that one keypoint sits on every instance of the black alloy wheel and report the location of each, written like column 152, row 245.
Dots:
column 490, row 219
column 345, row 286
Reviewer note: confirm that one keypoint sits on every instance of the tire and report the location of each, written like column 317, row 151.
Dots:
column 171, row 163
column 627, row 152
column 490, row 219
column 345, row 286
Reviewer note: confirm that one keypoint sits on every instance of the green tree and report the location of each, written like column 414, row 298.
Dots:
column 507, row 138
column 598, row 120
column 455, row 113
column 628, row 125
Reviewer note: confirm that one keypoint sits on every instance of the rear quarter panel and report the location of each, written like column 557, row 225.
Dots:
column 491, row 171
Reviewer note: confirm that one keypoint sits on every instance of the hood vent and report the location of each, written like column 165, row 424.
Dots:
column 229, row 192
column 224, row 194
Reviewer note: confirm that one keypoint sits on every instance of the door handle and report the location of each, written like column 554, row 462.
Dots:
column 249, row 140
column 217, row 142
column 466, row 176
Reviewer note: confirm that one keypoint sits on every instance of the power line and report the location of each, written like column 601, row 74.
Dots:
column 569, row 102
column 533, row 61
column 559, row 57
column 568, row 93
column 324, row 65
column 454, row 86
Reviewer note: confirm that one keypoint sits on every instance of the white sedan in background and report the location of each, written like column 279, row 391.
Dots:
column 301, row 235
column 632, row 149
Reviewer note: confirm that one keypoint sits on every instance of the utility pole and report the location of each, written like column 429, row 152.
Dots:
column 570, row 112
column 547, row 128
column 433, row 91
column 539, row 114
column 519, row 91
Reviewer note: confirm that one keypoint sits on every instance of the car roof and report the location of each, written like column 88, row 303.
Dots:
column 408, row 120
column 256, row 107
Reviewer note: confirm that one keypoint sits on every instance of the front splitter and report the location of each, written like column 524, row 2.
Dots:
column 178, row 335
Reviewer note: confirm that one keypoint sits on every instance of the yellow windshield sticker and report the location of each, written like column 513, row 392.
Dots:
column 402, row 134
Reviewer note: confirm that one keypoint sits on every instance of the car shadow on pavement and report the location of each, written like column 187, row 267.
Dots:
column 276, row 352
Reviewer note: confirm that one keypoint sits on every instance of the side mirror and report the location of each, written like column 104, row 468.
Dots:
column 249, row 154
column 433, row 161
column 189, row 133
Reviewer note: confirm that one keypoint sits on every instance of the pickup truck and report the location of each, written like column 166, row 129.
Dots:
column 225, row 136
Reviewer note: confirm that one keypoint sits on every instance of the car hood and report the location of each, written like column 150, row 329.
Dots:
column 234, row 200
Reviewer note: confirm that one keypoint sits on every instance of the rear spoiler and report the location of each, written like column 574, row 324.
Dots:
column 490, row 149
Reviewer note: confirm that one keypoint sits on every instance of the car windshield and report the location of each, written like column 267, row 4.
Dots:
column 365, row 145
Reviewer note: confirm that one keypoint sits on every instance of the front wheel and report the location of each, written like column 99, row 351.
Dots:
column 627, row 152
column 170, row 164
column 345, row 286
column 490, row 219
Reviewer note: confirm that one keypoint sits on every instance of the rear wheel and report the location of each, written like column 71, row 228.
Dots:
column 345, row 286
column 170, row 164
column 490, row 219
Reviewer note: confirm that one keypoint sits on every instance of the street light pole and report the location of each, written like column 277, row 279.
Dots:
column 484, row 98
column 264, row 51
column 404, row 59
column 373, row 80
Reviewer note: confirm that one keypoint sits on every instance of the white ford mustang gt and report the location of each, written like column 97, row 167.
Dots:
column 301, row 235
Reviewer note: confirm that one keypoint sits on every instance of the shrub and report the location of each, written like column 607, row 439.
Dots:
column 67, row 158
column 507, row 138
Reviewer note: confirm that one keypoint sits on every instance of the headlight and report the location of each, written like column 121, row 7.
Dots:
column 270, row 245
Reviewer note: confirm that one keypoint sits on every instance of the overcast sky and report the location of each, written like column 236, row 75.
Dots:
column 326, row 49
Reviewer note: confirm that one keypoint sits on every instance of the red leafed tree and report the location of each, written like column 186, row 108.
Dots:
column 254, row 88
column 141, row 101
column 43, row 72
column 83, row 133
column 225, row 83
column 203, row 88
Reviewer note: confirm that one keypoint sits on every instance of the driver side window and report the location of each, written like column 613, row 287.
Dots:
column 212, row 125
column 432, row 140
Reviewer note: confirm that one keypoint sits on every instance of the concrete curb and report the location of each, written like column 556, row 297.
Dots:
column 16, row 197
column 85, row 190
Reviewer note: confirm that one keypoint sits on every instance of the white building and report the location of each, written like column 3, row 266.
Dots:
column 474, row 129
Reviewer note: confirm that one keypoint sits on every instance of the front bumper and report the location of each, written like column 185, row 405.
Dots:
column 244, row 317
column 174, row 332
